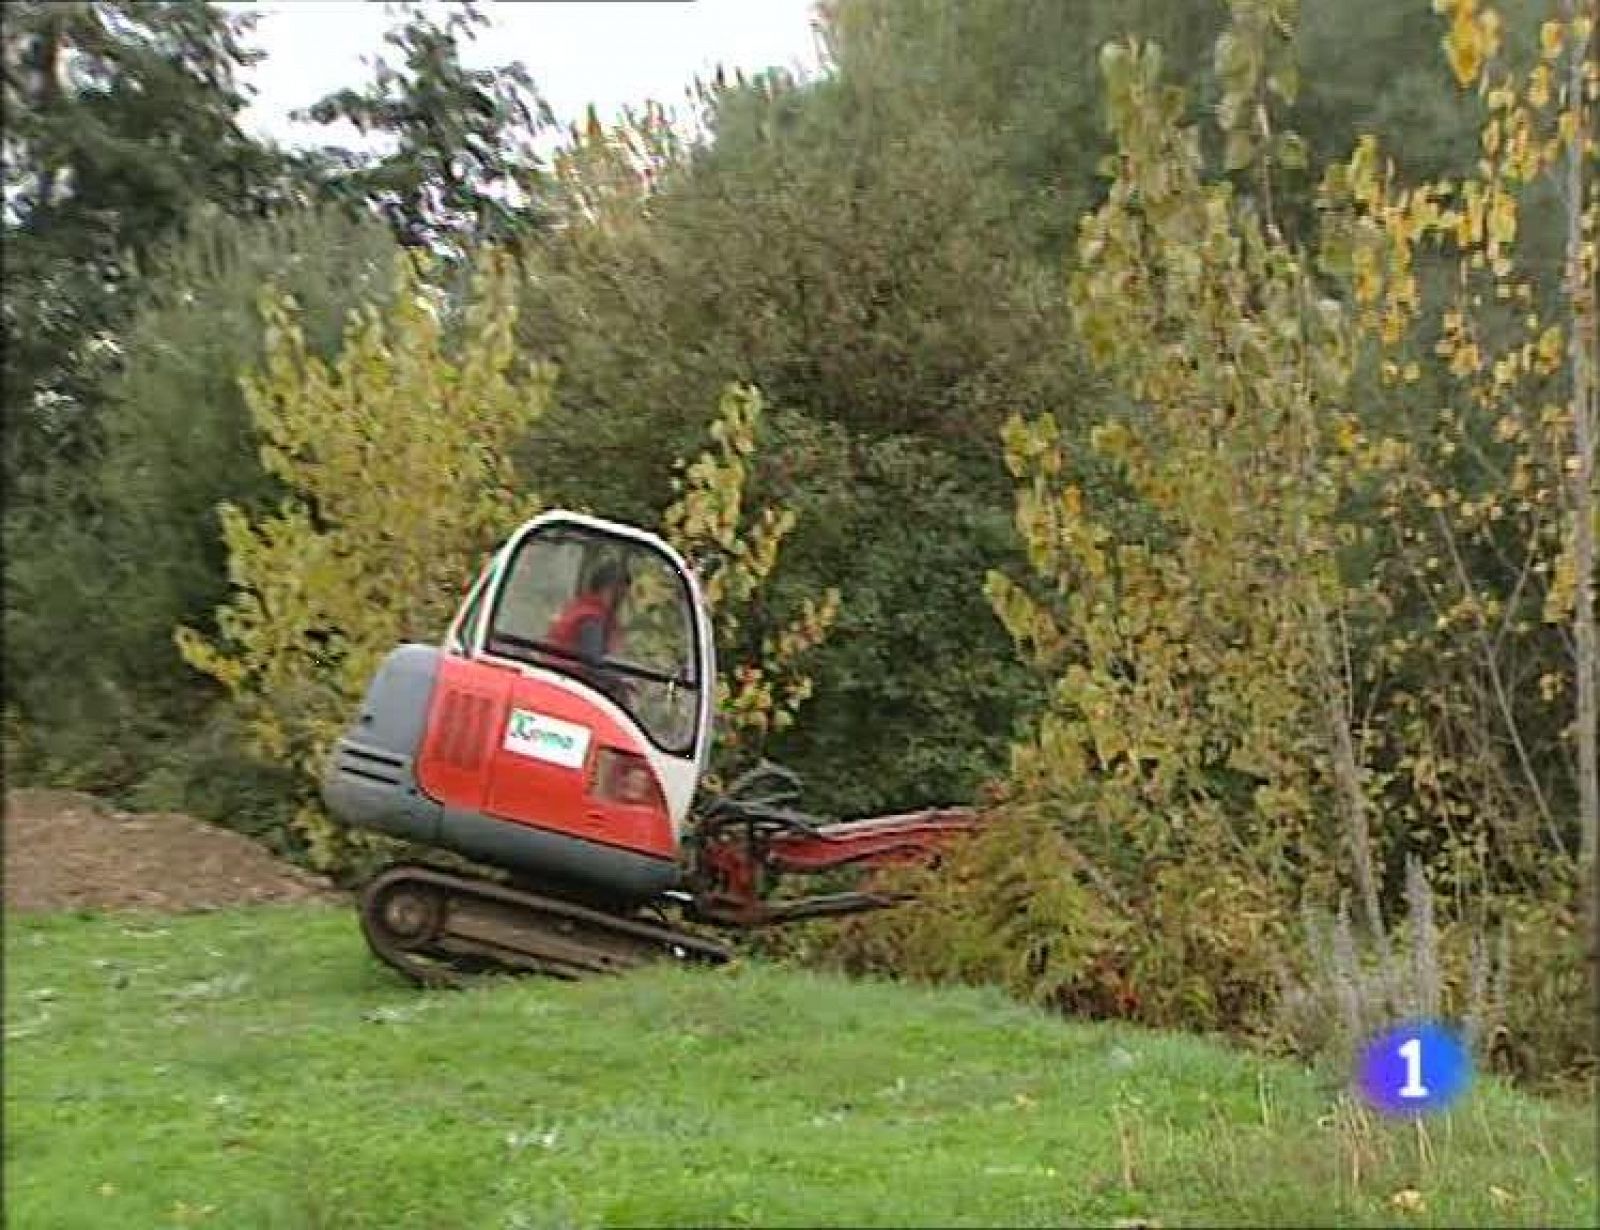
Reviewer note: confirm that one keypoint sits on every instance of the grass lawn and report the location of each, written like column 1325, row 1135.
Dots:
column 256, row 1068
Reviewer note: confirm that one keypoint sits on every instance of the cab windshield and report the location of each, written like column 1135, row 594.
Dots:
column 613, row 614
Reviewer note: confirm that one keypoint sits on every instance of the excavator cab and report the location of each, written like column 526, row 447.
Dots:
column 617, row 613
column 561, row 728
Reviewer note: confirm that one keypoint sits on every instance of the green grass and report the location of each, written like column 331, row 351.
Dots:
column 257, row 1068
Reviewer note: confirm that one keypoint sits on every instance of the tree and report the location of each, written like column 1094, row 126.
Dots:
column 605, row 177
column 815, row 250
column 810, row 246
column 120, row 116
column 395, row 461
column 463, row 167
column 1186, row 600
column 1019, row 77
column 1517, row 337
column 1310, row 570
column 1295, row 639
column 98, row 574
column 761, row 678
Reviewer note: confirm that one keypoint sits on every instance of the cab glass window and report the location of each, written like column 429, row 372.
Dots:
column 611, row 613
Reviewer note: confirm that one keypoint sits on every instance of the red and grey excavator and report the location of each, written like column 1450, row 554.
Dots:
column 556, row 741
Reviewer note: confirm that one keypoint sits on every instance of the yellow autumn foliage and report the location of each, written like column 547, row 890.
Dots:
column 395, row 463
column 758, row 692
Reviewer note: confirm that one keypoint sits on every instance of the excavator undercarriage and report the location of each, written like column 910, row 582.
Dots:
column 441, row 928
column 444, row 927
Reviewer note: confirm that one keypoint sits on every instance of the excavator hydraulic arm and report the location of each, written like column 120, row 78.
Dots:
column 746, row 841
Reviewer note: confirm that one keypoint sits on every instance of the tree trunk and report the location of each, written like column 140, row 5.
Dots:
column 1338, row 714
column 1585, row 413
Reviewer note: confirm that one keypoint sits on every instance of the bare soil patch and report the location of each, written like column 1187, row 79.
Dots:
column 70, row 851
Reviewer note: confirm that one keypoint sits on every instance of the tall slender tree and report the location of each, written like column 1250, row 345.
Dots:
column 459, row 162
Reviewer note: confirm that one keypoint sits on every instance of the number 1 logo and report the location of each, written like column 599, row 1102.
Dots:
column 1414, row 1069
column 1411, row 1052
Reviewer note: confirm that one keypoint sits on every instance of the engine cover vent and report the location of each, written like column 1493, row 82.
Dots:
column 463, row 727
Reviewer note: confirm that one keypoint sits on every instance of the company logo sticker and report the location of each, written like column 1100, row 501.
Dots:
column 547, row 738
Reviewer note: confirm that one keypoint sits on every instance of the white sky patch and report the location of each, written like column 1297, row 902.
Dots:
column 610, row 53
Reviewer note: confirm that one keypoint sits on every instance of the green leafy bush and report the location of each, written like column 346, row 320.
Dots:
column 99, row 571
column 1018, row 905
column 1013, row 905
column 916, row 694
column 213, row 775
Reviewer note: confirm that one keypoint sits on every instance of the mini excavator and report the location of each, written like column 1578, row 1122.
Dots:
column 556, row 742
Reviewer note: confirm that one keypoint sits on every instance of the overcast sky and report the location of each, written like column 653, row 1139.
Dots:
column 608, row 52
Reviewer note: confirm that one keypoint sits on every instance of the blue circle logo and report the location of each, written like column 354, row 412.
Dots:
column 1415, row 1069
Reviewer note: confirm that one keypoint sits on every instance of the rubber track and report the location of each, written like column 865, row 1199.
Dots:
column 484, row 926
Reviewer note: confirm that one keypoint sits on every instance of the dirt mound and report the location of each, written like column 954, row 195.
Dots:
column 65, row 850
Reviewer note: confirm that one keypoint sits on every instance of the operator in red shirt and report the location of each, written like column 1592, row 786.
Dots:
column 587, row 627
